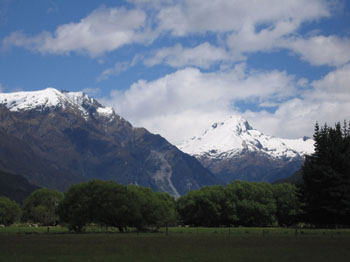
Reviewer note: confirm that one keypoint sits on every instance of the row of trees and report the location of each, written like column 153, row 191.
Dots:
column 112, row 204
column 115, row 205
column 241, row 204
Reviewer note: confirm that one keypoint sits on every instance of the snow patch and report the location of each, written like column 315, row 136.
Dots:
column 105, row 111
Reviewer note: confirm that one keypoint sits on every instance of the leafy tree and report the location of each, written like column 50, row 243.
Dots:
column 9, row 211
column 112, row 204
column 255, row 204
column 150, row 208
column 41, row 206
column 288, row 204
column 202, row 207
column 326, row 175
column 78, row 207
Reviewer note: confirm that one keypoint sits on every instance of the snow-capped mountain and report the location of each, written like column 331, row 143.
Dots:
column 235, row 135
column 51, row 99
column 56, row 138
column 233, row 149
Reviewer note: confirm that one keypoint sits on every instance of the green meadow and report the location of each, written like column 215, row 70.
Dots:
column 180, row 244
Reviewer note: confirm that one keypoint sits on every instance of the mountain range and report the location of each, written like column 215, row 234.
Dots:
column 232, row 149
column 57, row 138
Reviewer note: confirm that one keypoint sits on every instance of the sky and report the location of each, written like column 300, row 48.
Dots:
column 176, row 67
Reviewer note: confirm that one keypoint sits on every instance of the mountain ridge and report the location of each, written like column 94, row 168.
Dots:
column 233, row 149
column 74, row 138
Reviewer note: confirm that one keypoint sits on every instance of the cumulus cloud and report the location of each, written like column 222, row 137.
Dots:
column 328, row 101
column 321, row 50
column 203, row 55
column 181, row 104
column 248, row 40
column 105, row 29
column 198, row 16
column 252, row 27
column 185, row 103
column 246, row 26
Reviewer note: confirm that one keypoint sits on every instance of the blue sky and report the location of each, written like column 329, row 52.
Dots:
column 175, row 67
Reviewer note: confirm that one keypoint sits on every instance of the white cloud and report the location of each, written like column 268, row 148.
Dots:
column 203, row 55
column 182, row 104
column 198, row 16
column 248, row 40
column 105, row 29
column 321, row 50
column 327, row 101
column 247, row 26
column 1, row 88
column 185, row 103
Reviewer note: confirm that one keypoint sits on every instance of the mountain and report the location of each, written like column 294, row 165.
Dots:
column 232, row 149
column 57, row 138
column 15, row 187
column 295, row 179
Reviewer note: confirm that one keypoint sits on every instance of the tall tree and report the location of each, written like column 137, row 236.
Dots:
column 326, row 175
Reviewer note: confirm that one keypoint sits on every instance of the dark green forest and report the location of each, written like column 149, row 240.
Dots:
column 321, row 200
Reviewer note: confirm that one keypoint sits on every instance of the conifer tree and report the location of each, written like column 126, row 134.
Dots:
column 326, row 176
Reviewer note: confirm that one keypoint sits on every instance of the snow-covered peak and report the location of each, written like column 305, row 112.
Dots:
column 235, row 124
column 51, row 98
column 234, row 136
column 42, row 99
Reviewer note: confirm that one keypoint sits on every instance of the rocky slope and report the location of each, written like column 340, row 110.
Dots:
column 56, row 138
column 232, row 149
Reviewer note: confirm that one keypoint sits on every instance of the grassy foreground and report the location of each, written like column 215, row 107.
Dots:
column 181, row 244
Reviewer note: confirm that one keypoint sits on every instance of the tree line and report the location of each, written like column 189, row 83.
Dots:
column 113, row 205
column 322, row 200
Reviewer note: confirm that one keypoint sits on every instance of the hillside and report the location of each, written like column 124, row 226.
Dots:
column 56, row 138
column 15, row 187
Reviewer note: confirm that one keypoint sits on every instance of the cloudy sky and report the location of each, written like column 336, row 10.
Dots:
column 175, row 67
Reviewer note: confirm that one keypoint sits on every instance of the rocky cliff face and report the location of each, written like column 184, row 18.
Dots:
column 56, row 138
column 232, row 149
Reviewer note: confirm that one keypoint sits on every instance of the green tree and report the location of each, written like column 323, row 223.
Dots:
column 204, row 207
column 10, row 211
column 288, row 204
column 41, row 206
column 326, row 175
column 79, row 206
column 112, row 204
column 255, row 204
column 150, row 208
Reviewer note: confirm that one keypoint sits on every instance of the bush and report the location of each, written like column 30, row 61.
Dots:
column 41, row 206
column 10, row 211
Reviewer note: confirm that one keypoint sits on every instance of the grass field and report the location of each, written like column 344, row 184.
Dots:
column 181, row 244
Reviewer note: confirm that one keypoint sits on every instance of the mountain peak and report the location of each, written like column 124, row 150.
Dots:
column 51, row 98
column 233, row 123
column 234, row 135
